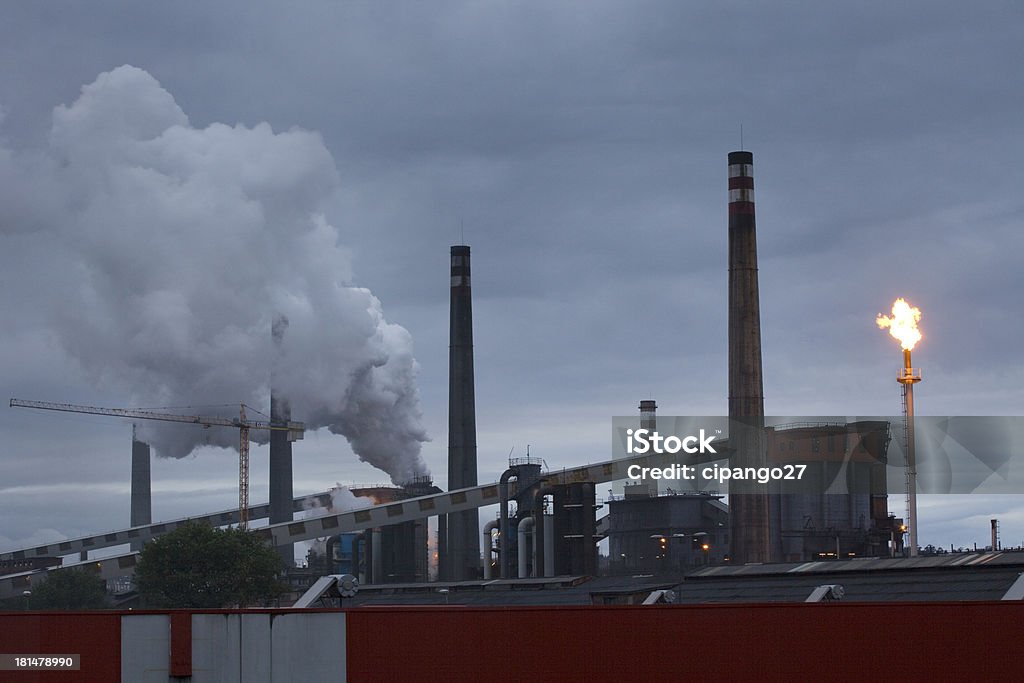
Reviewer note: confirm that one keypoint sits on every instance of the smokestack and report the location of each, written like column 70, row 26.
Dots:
column 748, row 506
column 648, row 415
column 462, row 559
column 142, row 499
column 280, row 453
column 649, row 421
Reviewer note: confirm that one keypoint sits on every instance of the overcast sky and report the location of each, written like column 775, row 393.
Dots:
column 287, row 157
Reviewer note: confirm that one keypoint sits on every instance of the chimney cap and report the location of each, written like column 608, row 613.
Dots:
column 741, row 158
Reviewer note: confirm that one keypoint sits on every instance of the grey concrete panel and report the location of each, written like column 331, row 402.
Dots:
column 256, row 649
column 308, row 647
column 145, row 641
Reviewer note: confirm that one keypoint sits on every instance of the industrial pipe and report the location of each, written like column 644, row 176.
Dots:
column 589, row 529
column 540, row 532
column 504, row 556
column 525, row 526
column 908, row 377
column 442, row 548
column 359, row 540
column 376, row 557
column 489, row 547
column 549, row 545
column 329, row 552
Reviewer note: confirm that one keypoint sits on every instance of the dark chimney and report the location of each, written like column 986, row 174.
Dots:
column 142, row 499
column 281, row 495
column 462, row 549
column 748, row 504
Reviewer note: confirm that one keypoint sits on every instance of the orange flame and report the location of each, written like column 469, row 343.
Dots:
column 903, row 323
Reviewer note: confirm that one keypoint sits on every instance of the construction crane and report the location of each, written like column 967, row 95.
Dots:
column 242, row 423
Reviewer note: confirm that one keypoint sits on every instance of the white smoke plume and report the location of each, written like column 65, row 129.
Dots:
column 173, row 250
column 342, row 499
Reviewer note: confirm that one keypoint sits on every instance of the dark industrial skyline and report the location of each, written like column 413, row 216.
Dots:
column 582, row 152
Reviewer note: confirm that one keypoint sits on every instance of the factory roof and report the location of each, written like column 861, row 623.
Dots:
column 868, row 564
column 560, row 590
column 949, row 577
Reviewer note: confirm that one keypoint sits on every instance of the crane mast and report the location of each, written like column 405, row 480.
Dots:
column 241, row 423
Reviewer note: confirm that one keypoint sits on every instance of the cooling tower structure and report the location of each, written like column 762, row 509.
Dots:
column 748, row 504
column 460, row 556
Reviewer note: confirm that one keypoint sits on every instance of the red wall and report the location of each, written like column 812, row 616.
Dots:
column 96, row 636
column 924, row 641
column 909, row 641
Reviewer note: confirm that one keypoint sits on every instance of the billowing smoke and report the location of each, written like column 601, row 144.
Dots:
column 177, row 249
column 342, row 499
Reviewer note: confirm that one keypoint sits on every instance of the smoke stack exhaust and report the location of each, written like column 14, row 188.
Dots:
column 463, row 542
column 748, row 506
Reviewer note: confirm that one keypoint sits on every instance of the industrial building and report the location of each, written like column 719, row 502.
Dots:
column 398, row 552
column 966, row 576
column 808, row 575
column 674, row 532
column 819, row 525
column 547, row 526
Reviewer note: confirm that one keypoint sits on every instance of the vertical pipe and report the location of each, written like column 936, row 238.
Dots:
column 525, row 525
column 356, row 540
column 442, row 548
column 332, row 564
column 541, row 532
column 908, row 378
column 549, row 545
column 505, row 557
column 749, row 533
column 376, row 557
column 589, row 528
column 908, row 389
column 488, row 547
column 463, row 527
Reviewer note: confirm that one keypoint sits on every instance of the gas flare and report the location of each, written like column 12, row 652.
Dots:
column 903, row 323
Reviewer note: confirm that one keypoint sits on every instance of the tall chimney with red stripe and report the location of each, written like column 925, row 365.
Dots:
column 748, row 501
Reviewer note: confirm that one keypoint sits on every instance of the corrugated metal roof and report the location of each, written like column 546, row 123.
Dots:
column 953, row 577
column 561, row 590
column 875, row 586
column 867, row 564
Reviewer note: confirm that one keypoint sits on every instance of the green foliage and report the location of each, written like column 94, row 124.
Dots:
column 199, row 566
column 69, row 589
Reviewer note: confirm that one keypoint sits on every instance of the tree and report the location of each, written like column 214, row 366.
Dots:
column 69, row 589
column 199, row 566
